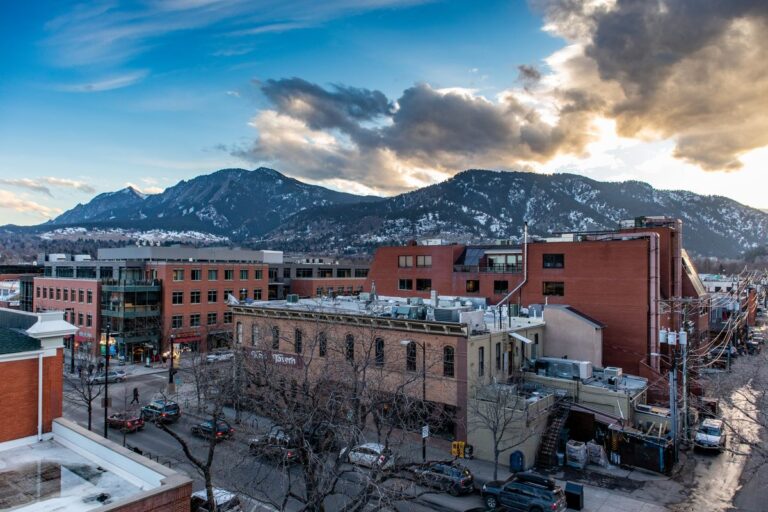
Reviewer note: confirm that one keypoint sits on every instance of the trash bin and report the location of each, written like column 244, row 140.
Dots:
column 468, row 451
column 574, row 496
column 516, row 461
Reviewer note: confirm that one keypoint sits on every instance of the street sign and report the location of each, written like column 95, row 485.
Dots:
column 425, row 431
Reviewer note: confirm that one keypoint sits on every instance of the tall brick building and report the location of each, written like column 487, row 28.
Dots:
column 627, row 279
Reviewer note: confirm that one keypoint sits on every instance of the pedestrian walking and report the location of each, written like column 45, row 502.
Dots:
column 135, row 395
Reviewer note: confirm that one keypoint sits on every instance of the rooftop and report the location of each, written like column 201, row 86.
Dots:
column 15, row 340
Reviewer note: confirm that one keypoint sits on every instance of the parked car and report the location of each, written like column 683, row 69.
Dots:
column 369, row 455
column 275, row 445
column 452, row 478
column 711, row 435
column 112, row 376
column 161, row 410
column 524, row 491
column 215, row 357
column 206, row 429
column 126, row 421
column 225, row 501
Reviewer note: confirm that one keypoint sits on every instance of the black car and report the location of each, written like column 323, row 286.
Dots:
column 525, row 491
column 276, row 446
column 161, row 410
column 222, row 430
column 452, row 478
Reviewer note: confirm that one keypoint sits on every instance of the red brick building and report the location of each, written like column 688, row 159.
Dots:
column 631, row 280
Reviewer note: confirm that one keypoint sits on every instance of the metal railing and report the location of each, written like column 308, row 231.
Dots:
column 492, row 269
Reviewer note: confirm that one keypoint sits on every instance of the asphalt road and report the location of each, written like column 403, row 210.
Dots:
column 234, row 467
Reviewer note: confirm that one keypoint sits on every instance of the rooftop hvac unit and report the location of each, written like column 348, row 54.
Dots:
column 416, row 301
column 446, row 315
column 585, row 369
column 292, row 298
column 612, row 372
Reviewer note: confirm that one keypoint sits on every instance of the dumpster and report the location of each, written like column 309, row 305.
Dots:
column 574, row 496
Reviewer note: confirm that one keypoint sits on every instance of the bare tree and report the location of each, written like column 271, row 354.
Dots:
column 82, row 387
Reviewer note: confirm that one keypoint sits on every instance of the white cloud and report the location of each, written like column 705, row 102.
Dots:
column 105, row 84
column 13, row 202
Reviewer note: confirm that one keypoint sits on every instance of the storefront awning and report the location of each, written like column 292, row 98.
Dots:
column 520, row 337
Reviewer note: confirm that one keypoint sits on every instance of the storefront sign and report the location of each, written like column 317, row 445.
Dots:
column 292, row 360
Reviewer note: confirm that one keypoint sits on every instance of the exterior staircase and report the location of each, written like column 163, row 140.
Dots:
column 547, row 454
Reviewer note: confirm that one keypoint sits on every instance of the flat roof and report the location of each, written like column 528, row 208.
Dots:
column 45, row 476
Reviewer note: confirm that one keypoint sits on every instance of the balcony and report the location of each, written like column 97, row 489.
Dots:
column 117, row 285
column 130, row 311
column 490, row 269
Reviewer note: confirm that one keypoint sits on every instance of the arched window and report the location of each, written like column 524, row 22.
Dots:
column 254, row 334
column 410, row 357
column 322, row 344
column 349, row 351
column 275, row 338
column 298, row 341
column 239, row 333
column 379, row 352
column 448, row 353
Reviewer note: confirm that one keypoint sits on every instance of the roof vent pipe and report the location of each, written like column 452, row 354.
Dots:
column 525, row 266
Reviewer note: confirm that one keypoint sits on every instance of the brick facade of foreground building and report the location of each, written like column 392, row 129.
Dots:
column 631, row 280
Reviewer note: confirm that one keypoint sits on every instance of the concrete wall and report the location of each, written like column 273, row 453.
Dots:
column 572, row 336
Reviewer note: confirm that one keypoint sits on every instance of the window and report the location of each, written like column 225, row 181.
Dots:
column 243, row 274
column 37, row 292
column 213, row 274
column 88, row 320
column 319, row 291
column 255, row 335
column 349, row 348
column 498, row 356
column 258, row 274
column 79, row 319
column 298, row 341
column 257, row 294
column 213, row 319
column 195, row 274
column 275, row 338
column 361, row 272
column 194, row 297
column 379, row 351
column 89, row 297
column 194, row 320
column 555, row 288
column 304, row 272
column 473, row 285
column 423, row 261
column 405, row 284
column 227, row 317
column 287, row 272
column 500, row 287
column 239, row 333
column 80, row 296
column 178, row 274
column 45, row 293
column 322, row 344
column 480, row 361
column 213, row 296
column 343, row 272
column 272, row 273
column 227, row 293
column 243, row 294
column 423, row 285
column 177, row 298
column 50, row 294
column 58, row 293
column 66, row 294
column 554, row 260
column 177, row 321
column 405, row 261
column 229, row 274
column 448, row 353
column 410, row 357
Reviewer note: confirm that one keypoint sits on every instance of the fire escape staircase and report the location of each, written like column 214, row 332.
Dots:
column 547, row 454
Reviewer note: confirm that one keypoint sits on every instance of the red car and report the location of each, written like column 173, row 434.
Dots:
column 125, row 421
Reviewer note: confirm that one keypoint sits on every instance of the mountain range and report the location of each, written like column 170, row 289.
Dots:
column 265, row 208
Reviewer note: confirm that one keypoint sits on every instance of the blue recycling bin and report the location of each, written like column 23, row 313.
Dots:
column 516, row 461
column 574, row 496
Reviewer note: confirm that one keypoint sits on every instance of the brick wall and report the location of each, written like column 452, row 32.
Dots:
column 176, row 499
column 78, row 310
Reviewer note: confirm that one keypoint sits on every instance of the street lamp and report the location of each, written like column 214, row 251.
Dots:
column 171, row 385
column 106, row 384
column 425, row 428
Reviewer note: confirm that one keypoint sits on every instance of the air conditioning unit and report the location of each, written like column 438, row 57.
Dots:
column 612, row 372
column 585, row 369
column 292, row 298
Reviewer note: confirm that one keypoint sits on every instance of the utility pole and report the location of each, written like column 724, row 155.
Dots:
column 683, row 340
column 106, row 385
column 673, row 401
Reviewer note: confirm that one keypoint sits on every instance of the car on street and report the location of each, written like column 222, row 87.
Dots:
column 454, row 479
column 226, row 501
column 165, row 411
column 370, row 455
column 711, row 435
column 207, row 430
column 126, row 421
column 111, row 376
column 276, row 445
column 215, row 357
column 525, row 491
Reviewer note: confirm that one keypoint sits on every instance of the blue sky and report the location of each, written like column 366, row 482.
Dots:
column 98, row 95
